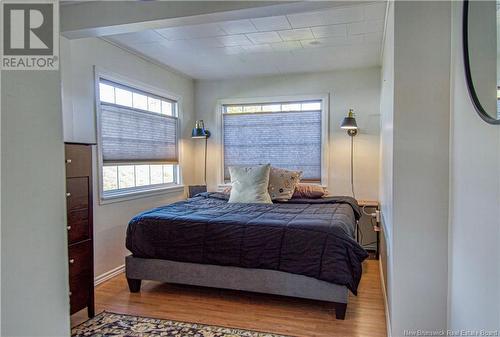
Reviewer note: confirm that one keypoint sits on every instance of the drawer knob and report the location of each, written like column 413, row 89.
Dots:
column 68, row 161
column 70, row 293
column 69, row 228
column 71, row 261
column 68, row 194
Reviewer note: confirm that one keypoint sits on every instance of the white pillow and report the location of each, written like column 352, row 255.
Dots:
column 249, row 184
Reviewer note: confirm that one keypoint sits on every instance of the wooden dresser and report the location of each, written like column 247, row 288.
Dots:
column 80, row 226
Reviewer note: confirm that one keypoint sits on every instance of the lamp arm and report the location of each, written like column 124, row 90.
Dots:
column 205, row 171
column 352, row 167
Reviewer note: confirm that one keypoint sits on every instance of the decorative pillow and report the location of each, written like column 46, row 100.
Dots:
column 282, row 183
column 309, row 191
column 227, row 190
column 249, row 184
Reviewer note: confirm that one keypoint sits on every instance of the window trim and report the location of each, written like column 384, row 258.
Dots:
column 143, row 191
column 134, row 193
column 325, row 125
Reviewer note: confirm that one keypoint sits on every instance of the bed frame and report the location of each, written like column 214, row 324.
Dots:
column 235, row 278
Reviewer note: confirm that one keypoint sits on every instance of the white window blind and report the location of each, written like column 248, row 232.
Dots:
column 286, row 135
column 129, row 135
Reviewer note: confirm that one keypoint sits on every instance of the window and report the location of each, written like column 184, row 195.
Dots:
column 138, row 142
column 284, row 134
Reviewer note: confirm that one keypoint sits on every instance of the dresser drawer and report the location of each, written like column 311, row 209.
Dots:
column 78, row 160
column 77, row 193
column 80, row 259
column 80, row 292
column 78, row 225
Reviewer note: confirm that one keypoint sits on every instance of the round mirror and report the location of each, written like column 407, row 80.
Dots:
column 481, row 33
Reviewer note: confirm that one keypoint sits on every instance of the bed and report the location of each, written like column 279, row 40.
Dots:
column 301, row 248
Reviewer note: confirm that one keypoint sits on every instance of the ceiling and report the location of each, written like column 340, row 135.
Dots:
column 333, row 38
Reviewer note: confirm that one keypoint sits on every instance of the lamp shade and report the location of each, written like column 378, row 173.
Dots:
column 349, row 122
column 199, row 130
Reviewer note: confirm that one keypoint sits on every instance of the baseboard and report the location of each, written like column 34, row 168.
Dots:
column 386, row 303
column 109, row 274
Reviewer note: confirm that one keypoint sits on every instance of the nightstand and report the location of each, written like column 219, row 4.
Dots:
column 195, row 189
column 368, row 230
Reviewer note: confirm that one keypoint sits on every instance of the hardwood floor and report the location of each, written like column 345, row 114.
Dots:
column 283, row 315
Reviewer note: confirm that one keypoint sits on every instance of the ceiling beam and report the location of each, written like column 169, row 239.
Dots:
column 102, row 18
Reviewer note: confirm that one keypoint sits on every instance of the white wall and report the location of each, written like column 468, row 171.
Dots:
column 421, row 165
column 34, row 263
column 386, row 143
column 358, row 89
column 415, row 152
column 78, row 58
column 474, row 233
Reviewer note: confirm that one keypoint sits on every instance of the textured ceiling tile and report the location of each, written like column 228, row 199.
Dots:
column 327, row 17
column 233, row 50
column 146, row 36
column 264, row 37
column 234, row 40
column 296, row 34
column 192, row 32
column 286, row 46
column 332, row 41
column 301, row 20
column 258, row 48
column 330, row 30
column 238, row 27
column 271, row 23
column 375, row 11
column 344, row 15
column 366, row 27
column 210, row 42
column 373, row 37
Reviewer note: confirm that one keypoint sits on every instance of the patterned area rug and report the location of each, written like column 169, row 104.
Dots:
column 110, row 324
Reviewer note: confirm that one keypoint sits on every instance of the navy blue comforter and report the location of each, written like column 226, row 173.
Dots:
column 307, row 237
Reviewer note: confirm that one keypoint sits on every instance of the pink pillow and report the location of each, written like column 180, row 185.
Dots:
column 309, row 191
column 227, row 190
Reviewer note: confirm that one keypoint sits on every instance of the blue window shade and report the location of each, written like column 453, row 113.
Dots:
column 289, row 140
column 129, row 135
